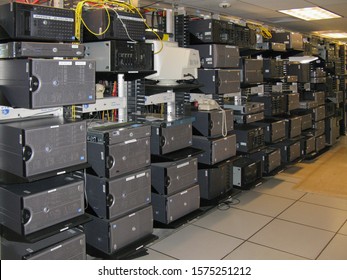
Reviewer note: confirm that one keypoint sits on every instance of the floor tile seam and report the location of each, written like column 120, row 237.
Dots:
column 273, row 217
column 223, row 233
column 308, row 202
column 297, row 223
column 326, row 246
column 281, row 196
column 249, row 211
column 253, row 190
column 244, row 241
column 278, row 250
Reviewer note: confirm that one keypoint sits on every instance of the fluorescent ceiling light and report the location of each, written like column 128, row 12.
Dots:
column 334, row 35
column 303, row 59
column 311, row 13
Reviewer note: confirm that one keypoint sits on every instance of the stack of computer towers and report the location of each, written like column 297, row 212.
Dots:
column 42, row 158
column 175, row 189
column 215, row 39
column 312, row 88
column 213, row 133
column 118, row 187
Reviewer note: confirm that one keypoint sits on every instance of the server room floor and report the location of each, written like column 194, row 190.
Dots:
column 272, row 221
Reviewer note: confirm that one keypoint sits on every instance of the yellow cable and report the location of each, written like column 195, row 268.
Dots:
column 152, row 30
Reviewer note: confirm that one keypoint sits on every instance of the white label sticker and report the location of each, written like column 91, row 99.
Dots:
column 130, row 141
column 183, row 164
column 130, row 178
column 80, row 63
column 53, row 18
column 141, row 175
column 65, row 63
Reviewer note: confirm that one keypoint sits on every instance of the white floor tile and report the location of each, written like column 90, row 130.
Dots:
column 315, row 215
column 262, row 203
column 280, row 188
column 196, row 243
column 293, row 238
column 343, row 230
column 324, row 200
column 288, row 178
column 251, row 251
column 234, row 222
column 336, row 250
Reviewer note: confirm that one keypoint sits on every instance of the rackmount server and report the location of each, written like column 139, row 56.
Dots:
column 172, row 177
column 306, row 104
column 112, row 198
column 169, row 133
column 246, row 172
column 308, row 145
column 115, row 133
column 290, row 150
column 66, row 245
column 270, row 158
column 38, row 146
column 274, row 130
column 108, row 236
column 319, row 127
column 275, row 104
column 41, row 83
column 118, row 55
column 320, row 143
column 40, row 50
column 292, row 40
column 215, row 180
column 29, row 207
column 330, row 109
column 219, row 81
column 245, row 107
column 293, row 126
column 211, row 123
column 218, row 56
column 273, row 68
column 21, row 21
column 249, row 138
column 332, row 130
column 252, row 70
column 302, row 71
column 118, row 25
column 248, row 118
column 306, row 121
column 336, row 96
column 292, row 101
column 318, row 113
column 318, row 96
column 211, row 31
column 167, row 209
column 216, row 149
column 272, row 46
column 115, row 149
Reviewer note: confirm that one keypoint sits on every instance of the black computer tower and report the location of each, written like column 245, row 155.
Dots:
column 171, row 177
column 218, row 56
column 66, row 245
column 211, row 123
column 112, row 198
column 40, row 146
column 219, row 81
column 41, row 83
column 169, row 208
